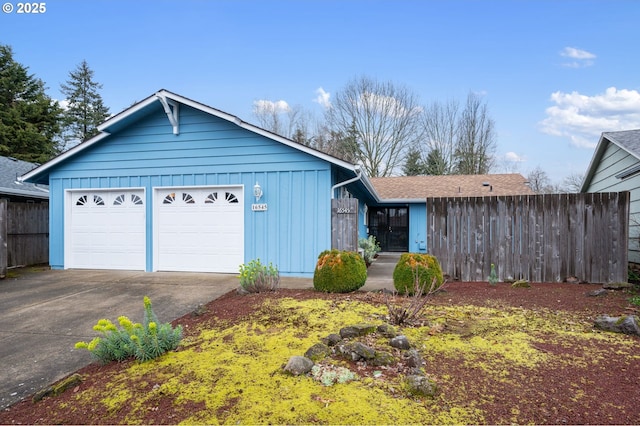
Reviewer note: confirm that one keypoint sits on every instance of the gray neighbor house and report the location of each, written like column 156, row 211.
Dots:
column 615, row 167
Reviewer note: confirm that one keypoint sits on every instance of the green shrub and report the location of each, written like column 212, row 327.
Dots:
column 339, row 272
column 369, row 248
column 256, row 277
column 415, row 269
column 143, row 341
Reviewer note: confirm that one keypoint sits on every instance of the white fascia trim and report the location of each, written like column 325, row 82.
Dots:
column 62, row 157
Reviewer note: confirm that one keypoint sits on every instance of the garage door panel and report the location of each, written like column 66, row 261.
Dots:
column 200, row 229
column 106, row 230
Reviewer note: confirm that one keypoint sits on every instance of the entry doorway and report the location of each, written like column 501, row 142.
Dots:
column 390, row 226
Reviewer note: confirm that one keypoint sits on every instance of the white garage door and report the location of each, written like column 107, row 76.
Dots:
column 199, row 229
column 105, row 229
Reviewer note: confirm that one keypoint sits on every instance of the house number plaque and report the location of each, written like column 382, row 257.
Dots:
column 259, row 207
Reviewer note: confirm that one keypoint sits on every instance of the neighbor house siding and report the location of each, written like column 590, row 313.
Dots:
column 615, row 160
column 210, row 151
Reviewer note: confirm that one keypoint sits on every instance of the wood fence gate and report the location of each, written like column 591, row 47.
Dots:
column 344, row 224
column 541, row 238
column 24, row 234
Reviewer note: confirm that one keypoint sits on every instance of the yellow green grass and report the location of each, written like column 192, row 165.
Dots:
column 234, row 373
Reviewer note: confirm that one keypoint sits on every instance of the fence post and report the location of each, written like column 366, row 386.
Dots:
column 3, row 238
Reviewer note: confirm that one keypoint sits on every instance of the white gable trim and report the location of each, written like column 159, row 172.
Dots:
column 168, row 97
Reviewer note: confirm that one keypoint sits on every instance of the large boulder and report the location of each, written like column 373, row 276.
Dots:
column 627, row 325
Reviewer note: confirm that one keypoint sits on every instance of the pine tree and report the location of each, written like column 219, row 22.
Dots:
column 414, row 165
column 85, row 110
column 29, row 119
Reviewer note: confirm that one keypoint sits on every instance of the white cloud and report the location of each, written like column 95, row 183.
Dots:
column 581, row 58
column 64, row 104
column 583, row 118
column 514, row 158
column 323, row 98
column 572, row 52
column 386, row 105
column 265, row 106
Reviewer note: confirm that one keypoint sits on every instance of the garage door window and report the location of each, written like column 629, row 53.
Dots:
column 85, row 200
column 229, row 197
column 122, row 199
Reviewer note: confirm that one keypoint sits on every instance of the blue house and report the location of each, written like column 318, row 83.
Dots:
column 171, row 184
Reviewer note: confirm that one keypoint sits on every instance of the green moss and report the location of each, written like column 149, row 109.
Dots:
column 235, row 372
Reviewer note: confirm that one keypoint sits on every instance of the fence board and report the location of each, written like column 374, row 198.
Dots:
column 537, row 237
column 27, row 233
column 344, row 224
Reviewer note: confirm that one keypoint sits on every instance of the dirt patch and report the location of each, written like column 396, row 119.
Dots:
column 598, row 388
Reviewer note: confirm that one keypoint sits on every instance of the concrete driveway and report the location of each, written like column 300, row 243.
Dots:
column 44, row 313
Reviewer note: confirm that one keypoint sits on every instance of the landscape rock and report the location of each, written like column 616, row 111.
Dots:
column 627, row 325
column 420, row 385
column 599, row 292
column 413, row 359
column 55, row 390
column 521, row 284
column 400, row 342
column 317, row 352
column 572, row 280
column 383, row 358
column 356, row 330
column 333, row 339
column 355, row 351
column 387, row 330
column 298, row 365
column 617, row 286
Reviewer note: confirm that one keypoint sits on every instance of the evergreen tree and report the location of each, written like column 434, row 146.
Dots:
column 413, row 166
column 85, row 110
column 436, row 163
column 29, row 119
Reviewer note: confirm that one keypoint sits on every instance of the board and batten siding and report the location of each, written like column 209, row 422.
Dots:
column 210, row 151
column 615, row 160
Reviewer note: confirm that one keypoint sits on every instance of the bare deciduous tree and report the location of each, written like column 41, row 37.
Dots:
column 280, row 118
column 573, row 182
column 383, row 118
column 440, row 133
column 539, row 181
column 476, row 139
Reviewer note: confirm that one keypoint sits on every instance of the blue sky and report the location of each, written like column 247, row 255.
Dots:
column 554, row 74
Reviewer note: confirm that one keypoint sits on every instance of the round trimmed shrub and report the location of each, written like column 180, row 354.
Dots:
column 339, row 272
column 411, row 265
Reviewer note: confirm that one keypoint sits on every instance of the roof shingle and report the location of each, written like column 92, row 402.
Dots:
column 416, row 187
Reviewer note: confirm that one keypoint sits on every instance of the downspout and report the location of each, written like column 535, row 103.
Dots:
column 346, row 182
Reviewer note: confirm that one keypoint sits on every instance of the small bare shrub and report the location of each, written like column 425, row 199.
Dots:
column 410, row 308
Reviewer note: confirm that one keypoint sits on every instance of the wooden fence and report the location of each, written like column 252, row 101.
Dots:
column 541, row 238
column 24, row 234
column 344, row 224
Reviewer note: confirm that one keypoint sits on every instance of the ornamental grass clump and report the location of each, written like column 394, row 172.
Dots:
column 339, row 272
column 257, row 278
column 142, row 341
column 416, row 269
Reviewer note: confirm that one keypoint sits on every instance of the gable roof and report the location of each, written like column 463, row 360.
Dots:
column 629, row 140
column 168, row 99
column 10, row 170
column 421, row 187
